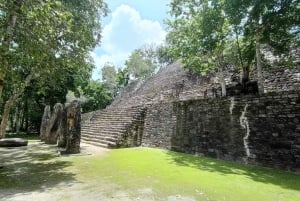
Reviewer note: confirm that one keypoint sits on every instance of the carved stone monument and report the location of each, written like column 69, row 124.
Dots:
column 54, row 124
column 62, row 131
column 73, row 127
column 45, row 122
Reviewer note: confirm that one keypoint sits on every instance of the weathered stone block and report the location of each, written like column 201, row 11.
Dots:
column 73, row 128
column 13, row 142
column 45, row 122
column 244, row 131
column 62, row 130
column 54, row 124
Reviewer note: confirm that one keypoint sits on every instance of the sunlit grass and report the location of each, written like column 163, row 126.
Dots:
column 169, row 173
column 153, row 174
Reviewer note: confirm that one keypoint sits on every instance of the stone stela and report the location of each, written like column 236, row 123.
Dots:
column 62, row 127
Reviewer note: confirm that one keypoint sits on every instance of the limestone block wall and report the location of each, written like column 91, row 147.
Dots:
column 282, row 80
column 86, row 117
column 262, row 130
column 159, row 126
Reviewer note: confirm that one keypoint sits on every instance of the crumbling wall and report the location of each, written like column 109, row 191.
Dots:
column 263, row 130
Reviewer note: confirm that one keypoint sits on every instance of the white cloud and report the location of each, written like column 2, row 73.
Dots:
column 125, row 32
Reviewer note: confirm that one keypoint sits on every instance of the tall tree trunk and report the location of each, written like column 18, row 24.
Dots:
column 222, row 82
column 2, row 76
column 260, row 80
column 5, row 115
column 10, row 102
column 6, row 42
column 220, row 73
column 25, row 115
column 18, row 118
column 245, row 73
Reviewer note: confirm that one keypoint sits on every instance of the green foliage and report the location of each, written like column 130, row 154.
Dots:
column 164, row 56
column 198, row 34
column 109, row 77
column 142, row 62
column 277, row 21
column 202, row 32
column 97, row 96
column 47, row 43
column 122, row 78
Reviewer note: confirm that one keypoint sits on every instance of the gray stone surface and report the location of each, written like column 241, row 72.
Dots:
column 62, row 130
column 174, row 83
column 73, row 135
column 54, row 124
column 263, row 130
column 13, row 142
column 45, row 122
column 184, row 112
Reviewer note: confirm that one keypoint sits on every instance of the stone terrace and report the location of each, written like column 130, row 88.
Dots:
column 174, row 83
column 110, row 128
column 170, row 83
column 121, row 124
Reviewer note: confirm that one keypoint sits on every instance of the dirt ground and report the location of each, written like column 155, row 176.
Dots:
column 22, row 165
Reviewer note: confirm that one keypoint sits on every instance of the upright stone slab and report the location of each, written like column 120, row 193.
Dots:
column 45, row 122
column 62, row 131
column 73, row 128
column 54, row 124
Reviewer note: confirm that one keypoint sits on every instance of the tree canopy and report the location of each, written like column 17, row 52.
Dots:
column 46, row 40
column 142, row 62
column 203, row 33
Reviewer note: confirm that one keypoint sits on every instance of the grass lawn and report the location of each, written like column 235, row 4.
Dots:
column 27, row 136
column 142, row 174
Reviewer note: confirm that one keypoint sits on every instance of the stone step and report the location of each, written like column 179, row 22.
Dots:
column 106, row 141
column 107, row 126
column 115, row 120
column 107, row 123
column 112, row 126
column 101, row 128
column 108, row 137
column 103, row 145
column 96, row 129
column 100, row 144
column 104, row 122
column 106, row 133
column 112, row 119
column 117, row 113
column 100, row 131
column 100, row 140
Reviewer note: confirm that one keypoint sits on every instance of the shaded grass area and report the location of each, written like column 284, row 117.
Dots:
column 140, row 174
column 32, row 168
column 27, row 136
column 170, row 173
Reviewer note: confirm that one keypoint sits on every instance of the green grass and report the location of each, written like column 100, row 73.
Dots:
column 27, row 136
column 169, row 173
column 148, row 173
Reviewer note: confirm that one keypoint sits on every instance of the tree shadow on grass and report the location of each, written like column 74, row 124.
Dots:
column 32, row 168
column 259, row 174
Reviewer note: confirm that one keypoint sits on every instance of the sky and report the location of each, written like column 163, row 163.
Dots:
column 129, row 25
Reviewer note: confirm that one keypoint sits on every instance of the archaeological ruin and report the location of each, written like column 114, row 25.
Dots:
column 62, row 127
column 179, row 110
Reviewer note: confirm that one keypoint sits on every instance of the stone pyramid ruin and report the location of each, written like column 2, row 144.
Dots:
column 121, row 123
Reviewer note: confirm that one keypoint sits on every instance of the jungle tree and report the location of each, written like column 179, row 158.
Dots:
column 44, row 39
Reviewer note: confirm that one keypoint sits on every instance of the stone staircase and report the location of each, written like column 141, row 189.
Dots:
column 114, row 127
